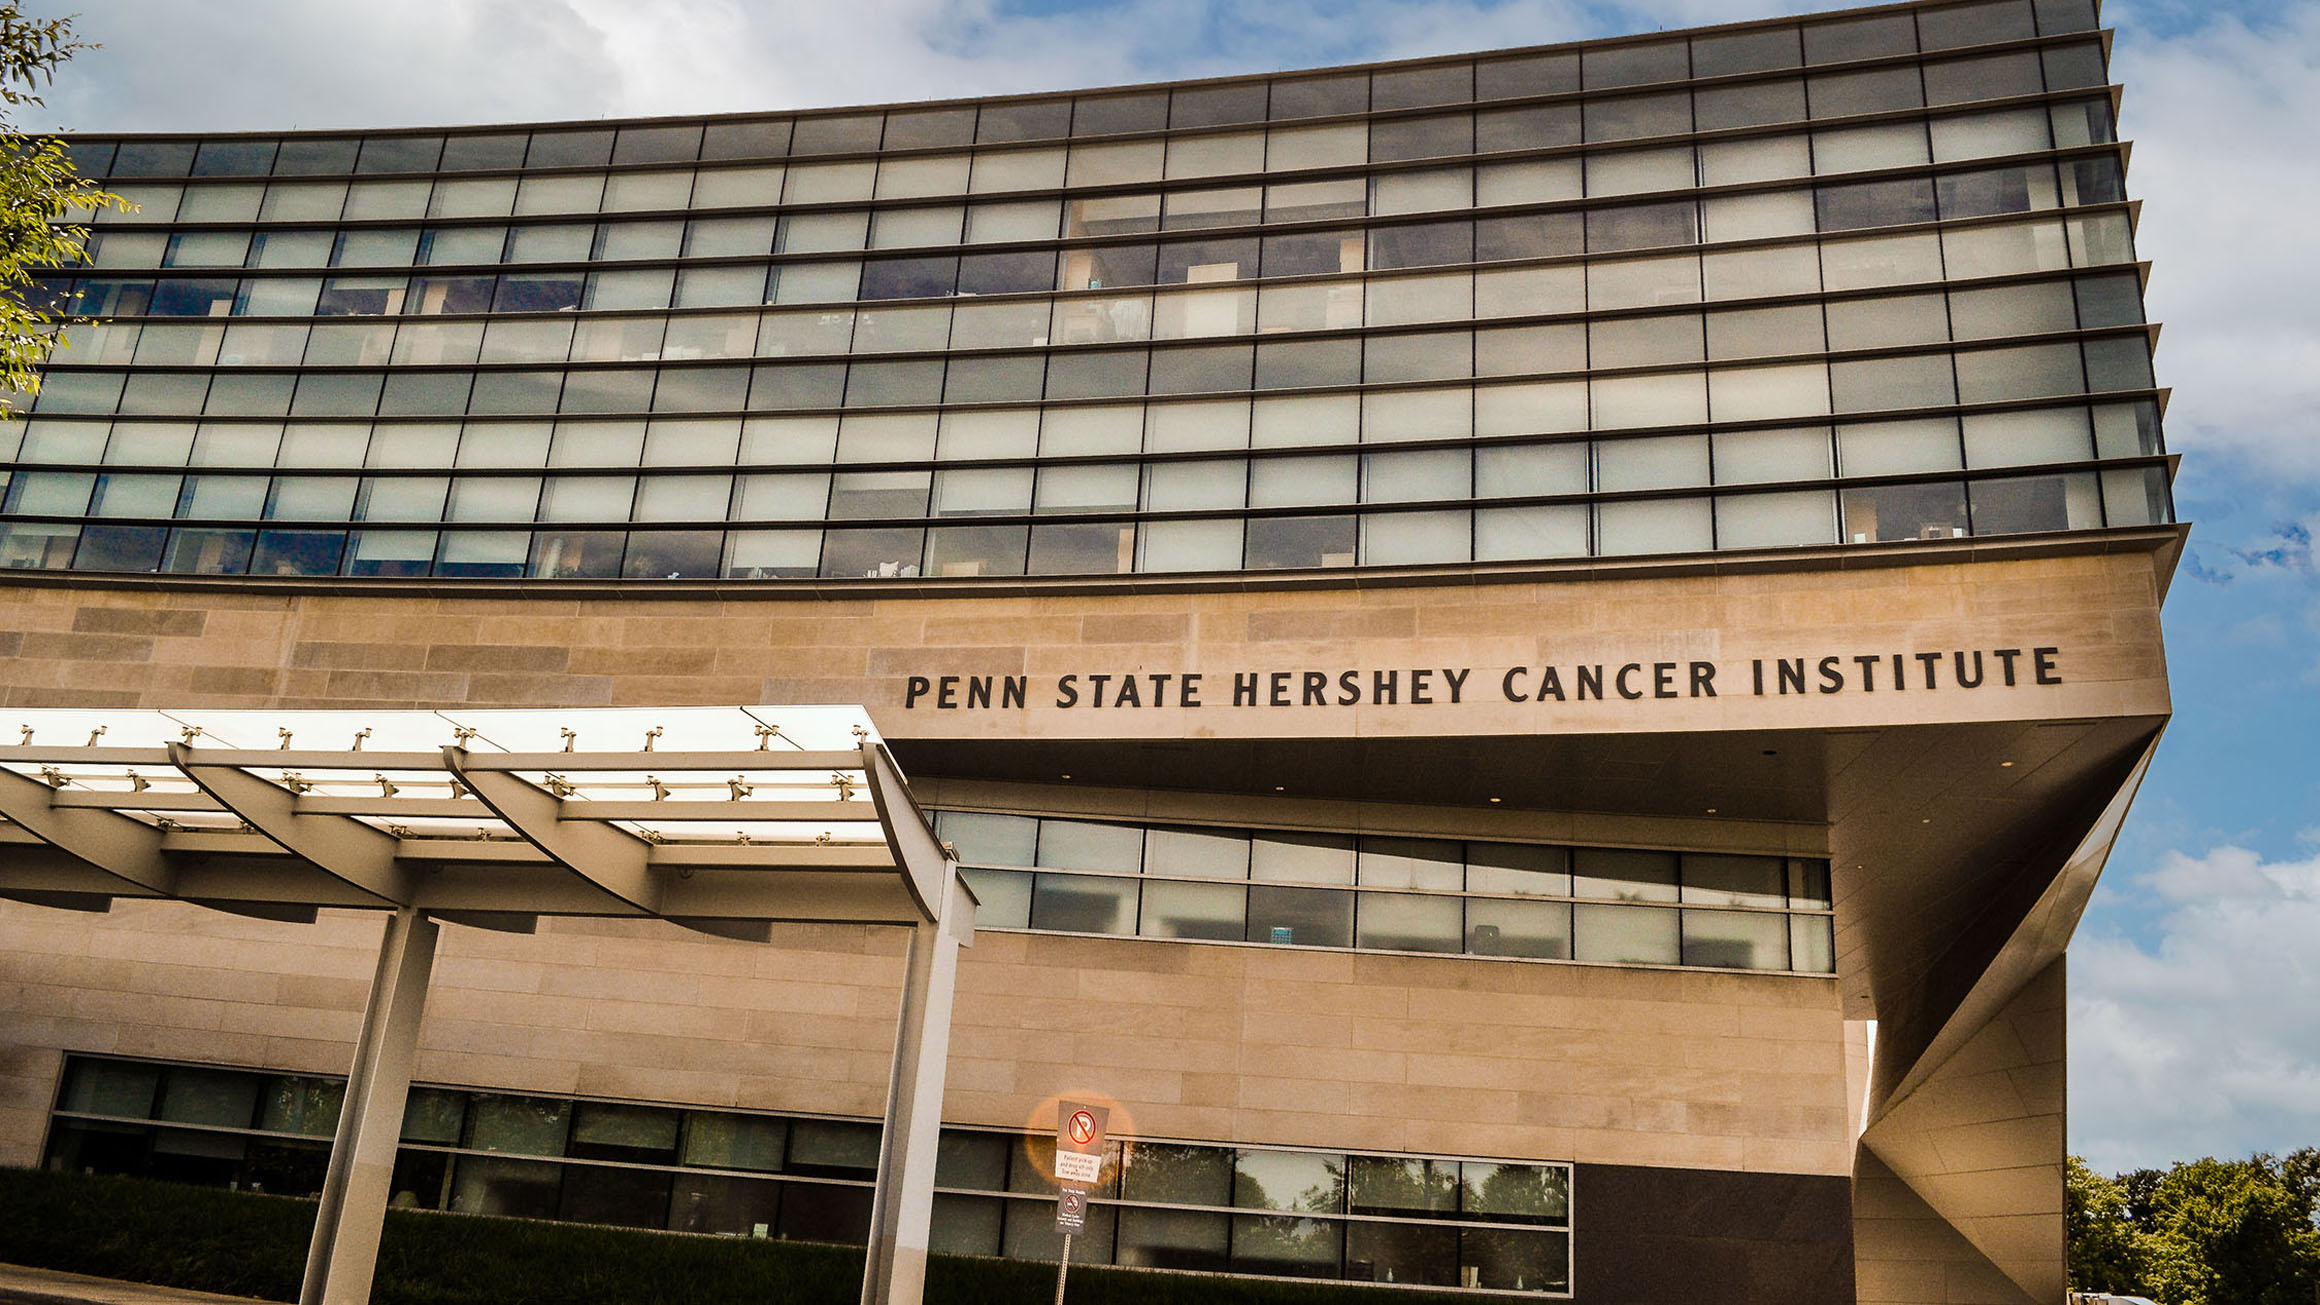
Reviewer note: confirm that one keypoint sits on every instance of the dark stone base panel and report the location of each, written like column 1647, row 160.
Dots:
column 1648, row 1236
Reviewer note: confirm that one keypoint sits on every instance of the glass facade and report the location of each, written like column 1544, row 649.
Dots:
column 1428, row 1220
column 1622, row 906
column 1854, row 280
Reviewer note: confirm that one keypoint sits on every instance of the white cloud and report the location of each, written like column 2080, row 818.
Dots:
column 2218, row 118
column 267, row 64
column 2208, row 1041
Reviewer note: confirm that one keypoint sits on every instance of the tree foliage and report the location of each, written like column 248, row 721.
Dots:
column 2205, row 1232
column 2105, row 1242
column 44, row 201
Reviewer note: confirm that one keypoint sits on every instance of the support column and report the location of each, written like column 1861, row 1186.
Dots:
column 345, row 1251
column 902, row 1210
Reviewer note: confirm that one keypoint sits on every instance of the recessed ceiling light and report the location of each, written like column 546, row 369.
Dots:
column 1498, row 799
column 1277, row 788
column 1927, row 821
column 1067, row 777
column 1711, row 811
column 2003, row 764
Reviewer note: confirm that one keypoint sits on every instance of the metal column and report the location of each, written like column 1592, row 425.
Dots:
column 345, row 1250
column 902, row 1210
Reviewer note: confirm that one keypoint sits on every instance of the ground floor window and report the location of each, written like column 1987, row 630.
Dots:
column 1487, row 1224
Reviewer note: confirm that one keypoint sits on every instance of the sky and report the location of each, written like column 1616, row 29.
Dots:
column 2195, row 979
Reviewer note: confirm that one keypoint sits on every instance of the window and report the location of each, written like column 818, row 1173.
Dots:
column 742, row 1173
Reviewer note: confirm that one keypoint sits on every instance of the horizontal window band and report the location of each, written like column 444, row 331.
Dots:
column 1872, row 418
column 1163, row 186
column 65, row 362
column 1123, row 517
column 1160, row 234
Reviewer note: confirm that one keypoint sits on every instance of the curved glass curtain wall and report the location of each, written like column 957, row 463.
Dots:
column 1623, row 906
column 1439, row 1221
column 1848, row 281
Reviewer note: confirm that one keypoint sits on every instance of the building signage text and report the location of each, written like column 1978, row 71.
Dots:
column 1949, row 670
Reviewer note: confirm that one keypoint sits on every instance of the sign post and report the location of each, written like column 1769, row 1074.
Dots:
column 1079, row 1161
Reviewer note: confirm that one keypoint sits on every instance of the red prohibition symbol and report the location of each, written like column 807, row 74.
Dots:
column 1082, row 1127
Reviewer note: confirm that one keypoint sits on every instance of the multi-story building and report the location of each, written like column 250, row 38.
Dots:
column 1533, row 654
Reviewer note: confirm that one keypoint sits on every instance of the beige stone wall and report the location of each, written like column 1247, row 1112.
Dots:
column 1249, row 1044
column 82, row 646
column 1246, row 1044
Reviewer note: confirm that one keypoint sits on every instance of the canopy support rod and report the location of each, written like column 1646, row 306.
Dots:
column 902, row 1210
column 345, row 1252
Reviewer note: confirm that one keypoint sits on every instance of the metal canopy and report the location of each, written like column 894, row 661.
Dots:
column 710, row 817
column 723, row 819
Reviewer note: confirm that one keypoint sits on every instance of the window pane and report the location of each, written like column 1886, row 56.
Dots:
column 216, row 1097
column 1812, row 944
column 1181, row 910
column 1190, row 546
column 1733, row 940
column 1410, row 923
column 1911, row 382
column 1410, row 863
column 1003, row 897
column 1895, row 447
column 1516, row 1259
column 976, row 550
column 1529, row 181
column 1629, row 172
column 2005, row 439
column 524, row 1125
column 1083, row 904
column 1304, row 917
column 721, row 1140
column 1628, row 876
column 1715, row 880
column 1666, row 399
column 1512, row 534
column 1301, row 542
column 1098, row 549
column 1084, row 845
column 1196, row 854
column 1896, row 513
column 1643, row 935
column 1288, row 1180
column 1984, row 375
column 2030, row 504
column 1776, row 520
column 518, row 1188
column 2135, row 497
column 1496, row 927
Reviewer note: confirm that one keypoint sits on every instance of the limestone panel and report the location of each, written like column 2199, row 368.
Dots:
column 1219, row 1042
column 1878, row 645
